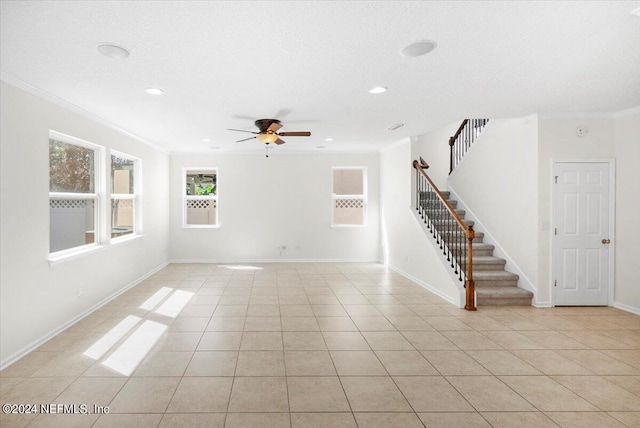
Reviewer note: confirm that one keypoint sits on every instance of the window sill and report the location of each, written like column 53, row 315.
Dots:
column 65, row 255
column 125, row 238
column 342, row 226
column 194, row 227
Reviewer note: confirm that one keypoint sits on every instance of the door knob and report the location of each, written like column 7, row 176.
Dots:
column 606, row 241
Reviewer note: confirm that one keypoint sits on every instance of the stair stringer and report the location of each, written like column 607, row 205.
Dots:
column 523, row 282
column 443, row 259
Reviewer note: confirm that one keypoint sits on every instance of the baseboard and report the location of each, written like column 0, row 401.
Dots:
column 626, row 308
column 441, row 256
column 226, row 261
column 542, row 305
column 39, row 342
column 425, row 285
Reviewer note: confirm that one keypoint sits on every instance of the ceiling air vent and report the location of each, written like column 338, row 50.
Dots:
column 395, row 126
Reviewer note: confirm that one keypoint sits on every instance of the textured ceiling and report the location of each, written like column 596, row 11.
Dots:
column 221, row 63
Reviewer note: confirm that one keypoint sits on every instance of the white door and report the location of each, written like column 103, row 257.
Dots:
column 581, row 220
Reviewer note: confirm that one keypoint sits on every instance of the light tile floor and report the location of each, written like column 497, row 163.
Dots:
column 327, row 345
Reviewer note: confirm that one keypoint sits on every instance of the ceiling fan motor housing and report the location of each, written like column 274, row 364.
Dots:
column 264, row 124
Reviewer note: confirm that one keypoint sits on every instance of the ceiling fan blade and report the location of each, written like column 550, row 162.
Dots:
column 274, row 127
column 282, row 113
column 295, row 134
column 246, row 139
column 279, row 141
column 242, row 130
column 242, row 117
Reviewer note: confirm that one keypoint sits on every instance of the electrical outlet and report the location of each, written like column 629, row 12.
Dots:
column 79, row 292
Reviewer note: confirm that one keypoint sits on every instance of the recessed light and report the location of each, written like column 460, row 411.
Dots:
column 154, row 91
column 395, row 126
column 420, row 48
column 321, row 147
column 378, row 90
column 206, row 140
column 328, row 139
column 113, row 51
column 636, row 12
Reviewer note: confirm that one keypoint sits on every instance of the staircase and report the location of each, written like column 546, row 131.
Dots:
column 493, row 284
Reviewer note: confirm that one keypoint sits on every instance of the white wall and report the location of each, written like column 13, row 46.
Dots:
column 522, row 179
column 406, row 247
column 497, row 181
column 265, row 202
column 558, row 141
column 626, row 242
column 434, row 149
column 36, row 298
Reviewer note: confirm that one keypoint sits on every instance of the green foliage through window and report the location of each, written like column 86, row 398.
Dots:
column 205, row 189
column 71, row 168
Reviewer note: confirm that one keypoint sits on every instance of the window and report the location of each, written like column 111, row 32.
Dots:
column 124, row 195
column 79, row 187
column 200, row 197
column 74, row 203
column 349, row 196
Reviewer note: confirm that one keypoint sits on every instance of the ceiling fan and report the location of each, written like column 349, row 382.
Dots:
column 269, row 132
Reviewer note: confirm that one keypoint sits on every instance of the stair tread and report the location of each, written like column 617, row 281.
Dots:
column 494, row 285
column 494, row 274
column 482, row 246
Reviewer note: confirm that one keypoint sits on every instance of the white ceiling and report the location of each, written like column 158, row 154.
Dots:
column 315, row 61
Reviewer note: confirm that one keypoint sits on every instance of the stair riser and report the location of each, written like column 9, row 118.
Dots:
column 488, row 266
column 461, row 213
column 482, row 252
column 492, row 301
column 450, row 225
column 450, row 230
column 498, row 288
column 477, row 240
column 445, row 193
column 494, row 283
column 435, row 204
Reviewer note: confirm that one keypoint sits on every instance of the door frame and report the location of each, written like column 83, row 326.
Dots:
column 612, row 222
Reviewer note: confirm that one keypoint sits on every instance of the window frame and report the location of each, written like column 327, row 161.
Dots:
column 185, row 197
column 363, row 196
column 97, row 196
column 135, row 197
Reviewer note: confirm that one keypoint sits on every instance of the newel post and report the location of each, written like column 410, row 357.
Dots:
column 470, row 286
column 452, row 141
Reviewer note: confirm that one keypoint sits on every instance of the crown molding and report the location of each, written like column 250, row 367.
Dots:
column 33, row 90
column 591, row 115
column 627, row 112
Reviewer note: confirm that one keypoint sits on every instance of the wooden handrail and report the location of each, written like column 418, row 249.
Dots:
column 458, row 132
column 444, row 200
column 469, row 234
column 461, row 141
